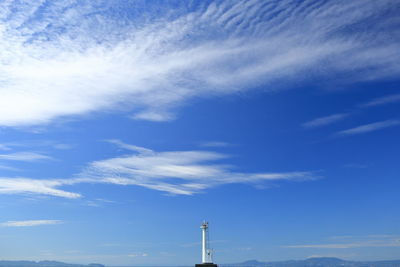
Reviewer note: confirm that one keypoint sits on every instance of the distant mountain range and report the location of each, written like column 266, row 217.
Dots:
column 44, row 264
column 315, row 262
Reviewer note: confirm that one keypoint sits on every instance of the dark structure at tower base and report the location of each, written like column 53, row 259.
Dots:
column 206, row 265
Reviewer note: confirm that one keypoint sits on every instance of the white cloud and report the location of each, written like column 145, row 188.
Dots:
column 43, row 144
column 137, row 254
column 324, row 120
column 99, row 202
column 152, row 115
column 130, row 147
column 174, row 172
column 24, row 156
column 340, row 116
column 29, row 223
column 4, row 147
column 382, row 100
column 177, row 172
column 8, row 168
column 78, row 58
column 369, row 127
column 35, row 186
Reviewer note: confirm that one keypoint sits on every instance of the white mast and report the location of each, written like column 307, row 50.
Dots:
column 205, row 251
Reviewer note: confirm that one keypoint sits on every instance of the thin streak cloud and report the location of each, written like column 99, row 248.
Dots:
column 388, row 99
column 369, row 127
column 325, row 120
column 25, row 186
column 29, row 223
column 24, row 156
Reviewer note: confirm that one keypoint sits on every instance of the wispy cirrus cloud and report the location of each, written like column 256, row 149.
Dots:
column 27, row 156
column 99, row 202
column 24, row 156
column 4, row 147
column 65, row 59
column 177, row 172
column 322, row 121
column 10, row 185
column 388, row 99
column 369, row 127
column 29, row 223
column 173, row 172
column 8, row 168
column 42, row 144
column 123, row 145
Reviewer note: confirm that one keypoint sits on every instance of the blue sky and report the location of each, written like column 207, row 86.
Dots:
column 124, row 124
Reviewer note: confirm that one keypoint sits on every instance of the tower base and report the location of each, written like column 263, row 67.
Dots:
column 206, row 265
